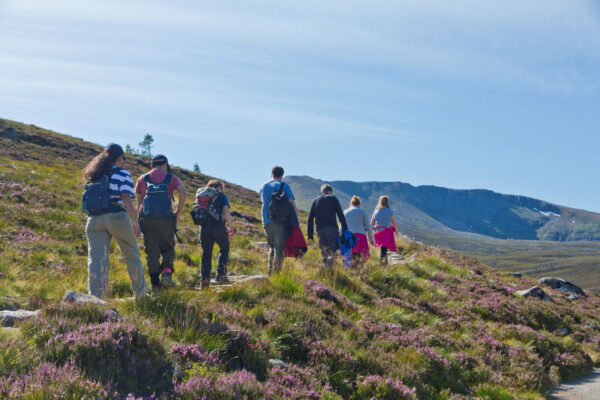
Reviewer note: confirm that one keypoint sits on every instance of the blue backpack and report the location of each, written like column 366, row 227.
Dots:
column 157, row 202
column 96, row 199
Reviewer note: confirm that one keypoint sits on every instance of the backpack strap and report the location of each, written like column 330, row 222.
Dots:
column 281, row 187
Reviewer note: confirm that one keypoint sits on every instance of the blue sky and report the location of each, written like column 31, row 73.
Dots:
column 502, row 95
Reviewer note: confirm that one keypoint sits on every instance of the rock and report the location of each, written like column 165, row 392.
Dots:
column 574, row 297
column 111, row 315
column 563, row 331
column 561, row 284
column 273, row 362
column 9, row 317
column 263, row 245
column 536, row 293
column 77, row 297
column 252, row 278
column 517, row 274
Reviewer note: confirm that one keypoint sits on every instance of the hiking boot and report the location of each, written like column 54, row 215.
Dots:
column 222, row 279
column 156, row 289
column 205, row 283
column 166, row 281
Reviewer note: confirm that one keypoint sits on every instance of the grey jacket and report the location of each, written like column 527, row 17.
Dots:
column 358, row 221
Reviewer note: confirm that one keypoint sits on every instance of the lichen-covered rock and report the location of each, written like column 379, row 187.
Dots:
column 561, row 284
column 536, row 293
column 72, row 296
column 9, row 317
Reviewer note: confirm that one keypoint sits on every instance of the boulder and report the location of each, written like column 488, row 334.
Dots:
column 561, row 284
column 273, row 362
column 517, row 274
column 72, row 296
column 536, row 293
column 574, row 297
column 9, row 317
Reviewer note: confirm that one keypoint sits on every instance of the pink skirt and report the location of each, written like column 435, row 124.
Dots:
column 362, row 246
column 385, row 238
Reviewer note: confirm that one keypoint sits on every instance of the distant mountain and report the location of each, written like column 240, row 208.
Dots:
column 424, row 212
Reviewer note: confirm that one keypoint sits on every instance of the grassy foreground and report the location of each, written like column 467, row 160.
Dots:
column 440, row 326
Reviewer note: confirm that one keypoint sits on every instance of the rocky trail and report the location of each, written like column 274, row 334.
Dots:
column 587, row 388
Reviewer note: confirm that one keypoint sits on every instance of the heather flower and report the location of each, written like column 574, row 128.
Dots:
column 239, row 385
column 52, row 381
column 378, row 387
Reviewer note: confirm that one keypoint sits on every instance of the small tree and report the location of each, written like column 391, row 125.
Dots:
column 130, row 150
column 196, row 167
column 146, row 145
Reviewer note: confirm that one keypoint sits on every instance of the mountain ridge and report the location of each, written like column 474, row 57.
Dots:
column 475, row 211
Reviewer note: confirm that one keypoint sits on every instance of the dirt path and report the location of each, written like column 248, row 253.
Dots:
column 587, row 388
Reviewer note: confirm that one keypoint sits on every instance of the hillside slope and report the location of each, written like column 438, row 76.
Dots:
column 435, row 326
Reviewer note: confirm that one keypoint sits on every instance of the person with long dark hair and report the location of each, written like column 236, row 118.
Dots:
column 384, row 226
column 119, row 221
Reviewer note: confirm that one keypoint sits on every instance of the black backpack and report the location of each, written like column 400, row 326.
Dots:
column 204, row 212
column 96, row 199
column 157, row 202
column 280, row 207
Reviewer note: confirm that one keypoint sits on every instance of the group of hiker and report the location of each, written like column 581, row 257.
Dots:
column 108, row 201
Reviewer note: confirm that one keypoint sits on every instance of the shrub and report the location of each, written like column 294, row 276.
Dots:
column 239, row 385
column 295, row 383
column 117, row 353
column 51, row 381
column 378, row 387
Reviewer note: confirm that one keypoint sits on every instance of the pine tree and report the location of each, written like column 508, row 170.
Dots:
column 146, row 145
column 196, row 167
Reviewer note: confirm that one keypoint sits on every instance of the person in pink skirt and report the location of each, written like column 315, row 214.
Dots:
column 384, row 226
column 358, row 224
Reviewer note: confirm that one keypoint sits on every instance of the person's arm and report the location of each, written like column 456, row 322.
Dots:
column 340, row 214
column 311, row 217
column 227, row 215
column 369, row 228
column 181, row 202
column 138, row 199
column 293, row 202
column 395, row 227
column 290, row 195
column 373, row 221
column 128, row 202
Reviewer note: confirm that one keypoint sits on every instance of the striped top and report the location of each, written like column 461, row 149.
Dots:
column 120, row 182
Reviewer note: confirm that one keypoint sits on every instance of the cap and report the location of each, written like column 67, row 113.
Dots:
column 159, row 159
column 114, row 150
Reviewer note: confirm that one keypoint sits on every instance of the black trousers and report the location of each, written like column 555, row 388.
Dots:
column 209, row 235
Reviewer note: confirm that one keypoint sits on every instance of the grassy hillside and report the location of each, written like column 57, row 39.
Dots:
column 577, row 261
column 437, row 326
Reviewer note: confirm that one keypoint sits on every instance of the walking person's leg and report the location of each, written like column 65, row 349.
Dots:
column 151, row 233
column 221, row 236
column 383, row 256
column 122, row 230
column 279, row 243
column 270, row 233
column 207, row 243
column 98, row 253
column 167, row 249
